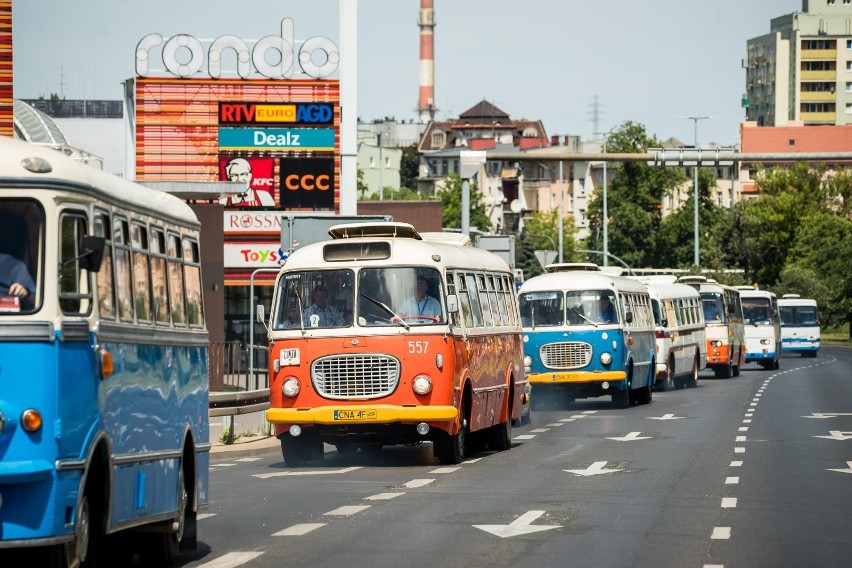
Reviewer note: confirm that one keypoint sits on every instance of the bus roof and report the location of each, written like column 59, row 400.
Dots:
column 662, row 290
column 749, row 292
column 581, row 280
column 797, row 301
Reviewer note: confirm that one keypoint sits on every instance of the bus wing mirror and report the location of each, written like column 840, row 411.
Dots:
column 260, row 316
column 92, row 253
column 452, row 304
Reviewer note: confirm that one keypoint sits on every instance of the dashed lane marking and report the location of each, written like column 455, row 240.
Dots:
column 232, row 559
column 721, row 533
column 384, row 496
column 299, row 530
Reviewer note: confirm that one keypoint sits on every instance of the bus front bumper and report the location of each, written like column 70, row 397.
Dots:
column 361, row 414
column 577, row 377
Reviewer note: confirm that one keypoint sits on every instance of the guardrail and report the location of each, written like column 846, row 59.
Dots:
column 238, row 402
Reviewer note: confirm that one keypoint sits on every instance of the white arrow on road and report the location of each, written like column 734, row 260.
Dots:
column 519, row 526
column 630, row 437
column 665, row 417
column 827, row 414
column 837, row 435
column 596, row 468
column 844, row 470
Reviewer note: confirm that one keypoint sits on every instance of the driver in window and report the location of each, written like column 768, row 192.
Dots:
column 421, row 304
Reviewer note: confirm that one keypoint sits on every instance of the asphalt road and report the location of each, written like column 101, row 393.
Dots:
column 753, row 471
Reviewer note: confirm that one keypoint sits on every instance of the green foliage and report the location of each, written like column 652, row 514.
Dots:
column 409, row 167
column 362, row 185
column 451, row 198
column 401, row 194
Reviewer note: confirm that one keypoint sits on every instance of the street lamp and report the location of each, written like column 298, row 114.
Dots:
column 695, row 120
column 605, row 240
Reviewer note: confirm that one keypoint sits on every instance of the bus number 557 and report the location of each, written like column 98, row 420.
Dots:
column 418, row 346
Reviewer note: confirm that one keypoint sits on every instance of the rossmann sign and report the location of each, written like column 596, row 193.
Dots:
column 275, row 113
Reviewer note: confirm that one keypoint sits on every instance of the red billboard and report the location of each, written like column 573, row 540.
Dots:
column 258, row 175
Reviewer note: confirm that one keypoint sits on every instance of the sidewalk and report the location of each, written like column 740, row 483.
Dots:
column 247, row 445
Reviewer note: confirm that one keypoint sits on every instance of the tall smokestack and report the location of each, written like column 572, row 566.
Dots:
column 426, row 107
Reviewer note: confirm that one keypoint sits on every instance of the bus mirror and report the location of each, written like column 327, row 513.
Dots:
column 92, row 253
column 452, row 304
column 664, row 322
column 628, row 317
column 261, row 314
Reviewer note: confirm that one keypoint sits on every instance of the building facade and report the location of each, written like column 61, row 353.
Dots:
column 801, row 71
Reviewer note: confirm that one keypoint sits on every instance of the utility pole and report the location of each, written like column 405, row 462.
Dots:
column 695, row 119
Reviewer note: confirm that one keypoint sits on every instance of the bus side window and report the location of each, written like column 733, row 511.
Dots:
column 75, row 295
column 141, row 276
column 473, row 296
column 192, row 272
column 123, row 288
column 159, row 286
column 464, row 300
column 106, row 295
column 176, row 298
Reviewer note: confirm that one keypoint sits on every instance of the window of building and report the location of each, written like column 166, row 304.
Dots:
column 438, row 139
column 848, row 108
column 849, row 87
column 444, row 167
column 719, row 198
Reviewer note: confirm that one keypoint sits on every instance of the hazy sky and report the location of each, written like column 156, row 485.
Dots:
column 649, row 61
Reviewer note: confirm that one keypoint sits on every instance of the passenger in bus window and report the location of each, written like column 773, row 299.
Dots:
column 607, row 310
column 320, row 314
column 421, row 304
column 711, row 313
column 15, row 279
column 292, row 321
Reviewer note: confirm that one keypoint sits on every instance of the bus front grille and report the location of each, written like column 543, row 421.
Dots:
column 355, row 376
column 567, row 355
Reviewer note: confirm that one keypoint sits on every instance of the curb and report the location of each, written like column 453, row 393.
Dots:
column 247, row 446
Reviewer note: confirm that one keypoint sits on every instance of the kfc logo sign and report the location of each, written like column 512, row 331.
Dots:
column 258, row 175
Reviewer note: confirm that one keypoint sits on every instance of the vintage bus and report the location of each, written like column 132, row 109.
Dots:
column 587, row 334
column 800, row 332
column 680, row 332
column 385, row 336
column 723, row 317
column 762, row 326
column 104, row 439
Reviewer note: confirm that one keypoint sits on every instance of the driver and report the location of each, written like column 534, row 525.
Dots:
column 421, row 304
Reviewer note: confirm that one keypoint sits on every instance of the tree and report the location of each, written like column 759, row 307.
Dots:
column 409, row 167
column 362, row 185
column 451, row 198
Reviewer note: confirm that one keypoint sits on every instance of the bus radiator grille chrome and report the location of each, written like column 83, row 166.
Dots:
column 355, row 376
column 566, row 355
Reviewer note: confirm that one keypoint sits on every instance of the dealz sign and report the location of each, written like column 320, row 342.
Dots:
column 184, row 56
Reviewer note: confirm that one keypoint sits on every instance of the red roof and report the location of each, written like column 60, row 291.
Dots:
column 791, row 139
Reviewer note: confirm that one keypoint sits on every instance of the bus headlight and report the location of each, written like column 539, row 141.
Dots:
column 31, row 420
column 290, row 387
column 716, row 343
column 527, row 361
column 764, row 342
column 606, row 358
column 422, row 384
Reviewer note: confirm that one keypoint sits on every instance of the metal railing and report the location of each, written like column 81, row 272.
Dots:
column 233, row 367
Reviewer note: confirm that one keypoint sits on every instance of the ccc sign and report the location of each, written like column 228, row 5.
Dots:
column 307, row 182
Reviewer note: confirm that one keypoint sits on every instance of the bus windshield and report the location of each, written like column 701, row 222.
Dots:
column 581, row 307
column 21, row 239
column 757, row 311
column 714, row 311
column 390, row 296
column 798, row 315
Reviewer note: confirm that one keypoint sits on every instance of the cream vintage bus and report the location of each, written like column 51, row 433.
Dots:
column 382, row 336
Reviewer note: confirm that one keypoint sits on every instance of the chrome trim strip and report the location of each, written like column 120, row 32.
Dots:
column 134, row 333
column 200, row 448
column 70, row 465
column 28, row 542
column 27, row 331
column 139, row 521
column 124, row 459
column 74, row 331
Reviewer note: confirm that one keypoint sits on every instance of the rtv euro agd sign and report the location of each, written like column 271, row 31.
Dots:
column 184, row 55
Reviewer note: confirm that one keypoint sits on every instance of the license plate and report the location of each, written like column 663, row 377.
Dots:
column 369, row 414
column 289, row 357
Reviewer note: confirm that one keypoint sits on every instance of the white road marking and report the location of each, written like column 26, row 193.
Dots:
column 665, row 417
column 567, row 420
column 539, row 430
column 849, row 463
column 629, row 437
column 231, row 560
column 415, row 483
column 299, row 530
column 204, row 516
column 596, row 468
column 837, row 435
column 524, row 437
column 519, row 526
column 446, row 469
column 222, row 464
column 248, row 459
column 714, row 566
column 732, row 480
column 736, row 464
column 721, row 533
column 384, row 496
column 474, row 460
column 827, row 414
column 554, row 424
column 578, row 416
column 729, row 502
column 743, row 429
column 752, row 404
column 347, row 510
column 298, row 473
column 739, row 450
column 740, row 439
column 747, row 421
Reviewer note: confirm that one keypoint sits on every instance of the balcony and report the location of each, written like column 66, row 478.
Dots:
column 830, row 75
column 817, row 96
column 819, row 117
column 819, row 54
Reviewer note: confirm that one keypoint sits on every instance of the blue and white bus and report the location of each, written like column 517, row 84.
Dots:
column 762, row 327
column 104, row 438
column 587, row 334
column 800, row 331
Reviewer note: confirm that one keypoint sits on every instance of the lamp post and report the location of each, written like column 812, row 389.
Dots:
column 695, row 120
column 381, row 169
column 605, row 239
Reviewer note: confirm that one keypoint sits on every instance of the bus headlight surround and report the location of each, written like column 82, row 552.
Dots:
column 290, row 387
column 764, row 342
column 31, row 420
column 606, row 358
column 527, row 361
column 422, row 384
column 716, row 343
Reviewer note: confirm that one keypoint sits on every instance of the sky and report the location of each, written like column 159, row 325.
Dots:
column 581, row 67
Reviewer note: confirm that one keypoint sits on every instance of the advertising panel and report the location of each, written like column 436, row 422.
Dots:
column 307, row 182
column 7, row 121
column 252, row 255
column 257, row 173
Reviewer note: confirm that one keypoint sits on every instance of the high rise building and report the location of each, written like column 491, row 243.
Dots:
column 801, row 72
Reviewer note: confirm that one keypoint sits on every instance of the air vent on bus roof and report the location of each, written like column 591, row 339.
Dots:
column 791, row 296
column 359, row 230
column 692, row 279
column 743, row 287
column 458, row 239
column 573, row 267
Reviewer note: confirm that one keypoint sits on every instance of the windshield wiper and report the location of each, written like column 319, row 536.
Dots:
column 582, row 316
column 384, row 306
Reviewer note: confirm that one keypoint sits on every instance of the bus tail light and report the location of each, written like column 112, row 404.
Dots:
column 290, row 387
column 31, row 420
column 107, row 365
column 422, row 384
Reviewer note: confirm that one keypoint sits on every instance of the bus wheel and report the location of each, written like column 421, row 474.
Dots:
column 692, row 381
column 449, row 449
column 500, row 436
column 777, row 364
column 620, row 399
column 668, row 382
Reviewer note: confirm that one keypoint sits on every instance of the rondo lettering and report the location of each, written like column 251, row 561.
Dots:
column 316, row 48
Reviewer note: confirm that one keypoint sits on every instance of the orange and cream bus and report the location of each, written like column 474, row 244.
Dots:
column 725, row 331
column 384, row 336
